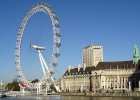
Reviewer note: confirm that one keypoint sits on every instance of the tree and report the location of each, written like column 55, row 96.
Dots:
column 52, row 87
column 35, row 81
column 14, row 86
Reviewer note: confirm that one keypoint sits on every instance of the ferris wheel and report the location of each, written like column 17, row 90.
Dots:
column 47, row 68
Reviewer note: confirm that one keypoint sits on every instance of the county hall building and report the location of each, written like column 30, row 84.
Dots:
column 105, row 76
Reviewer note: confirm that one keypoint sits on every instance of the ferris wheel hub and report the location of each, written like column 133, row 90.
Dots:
column 37, row 47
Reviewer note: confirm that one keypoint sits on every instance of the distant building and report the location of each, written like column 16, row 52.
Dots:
column 2, row 85
column 92, row 55
column 105, row 77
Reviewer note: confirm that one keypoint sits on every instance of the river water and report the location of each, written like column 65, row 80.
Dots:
column 68, row 98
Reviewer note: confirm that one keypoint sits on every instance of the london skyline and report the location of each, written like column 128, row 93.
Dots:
column 115, row 25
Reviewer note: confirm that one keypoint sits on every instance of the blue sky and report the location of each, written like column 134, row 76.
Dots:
column 114, row 24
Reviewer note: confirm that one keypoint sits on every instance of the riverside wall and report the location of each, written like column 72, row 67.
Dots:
column 131, row 94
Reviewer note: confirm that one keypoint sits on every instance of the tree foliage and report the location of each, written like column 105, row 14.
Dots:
column 52, row 87
column 34, row 81
column 14, row 86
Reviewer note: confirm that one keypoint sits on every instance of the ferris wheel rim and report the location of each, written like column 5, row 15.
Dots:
column 43, row 7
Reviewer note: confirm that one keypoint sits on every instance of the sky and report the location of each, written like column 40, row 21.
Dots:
column 113, row 24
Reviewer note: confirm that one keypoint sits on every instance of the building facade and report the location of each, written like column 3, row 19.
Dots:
column 2, row 85
column 105, row 77
column 76, row 79
column 116, row 76
column 92, row 55
column 123, row 75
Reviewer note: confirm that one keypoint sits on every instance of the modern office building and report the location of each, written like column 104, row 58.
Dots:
column 92, row 55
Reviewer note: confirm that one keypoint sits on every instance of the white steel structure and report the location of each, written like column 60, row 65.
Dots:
column 48, row 69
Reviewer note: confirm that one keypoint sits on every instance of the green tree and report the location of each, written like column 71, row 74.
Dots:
column 35, row 81
column 52, row 87
column 14, row 86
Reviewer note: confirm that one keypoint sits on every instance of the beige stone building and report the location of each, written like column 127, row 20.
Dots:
column 115, row 76
column 76, row 79
column 92, row 55
column 2, row 85
column 120, row 76
column 107, row 76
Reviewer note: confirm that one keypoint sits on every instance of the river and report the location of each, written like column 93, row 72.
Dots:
column 67, row 98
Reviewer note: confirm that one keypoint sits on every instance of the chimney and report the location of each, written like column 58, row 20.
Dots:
column 69, row 68
column 79, row 66
column 84, row 66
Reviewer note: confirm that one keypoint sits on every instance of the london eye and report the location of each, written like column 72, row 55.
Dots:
column 38, row 51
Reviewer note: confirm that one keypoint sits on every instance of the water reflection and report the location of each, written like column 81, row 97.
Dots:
column 67, row 98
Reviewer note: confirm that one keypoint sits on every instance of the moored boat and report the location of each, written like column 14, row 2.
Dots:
column 1, row 93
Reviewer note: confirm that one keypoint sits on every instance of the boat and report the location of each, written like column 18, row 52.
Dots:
column 10, row 93
column 1, row 93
